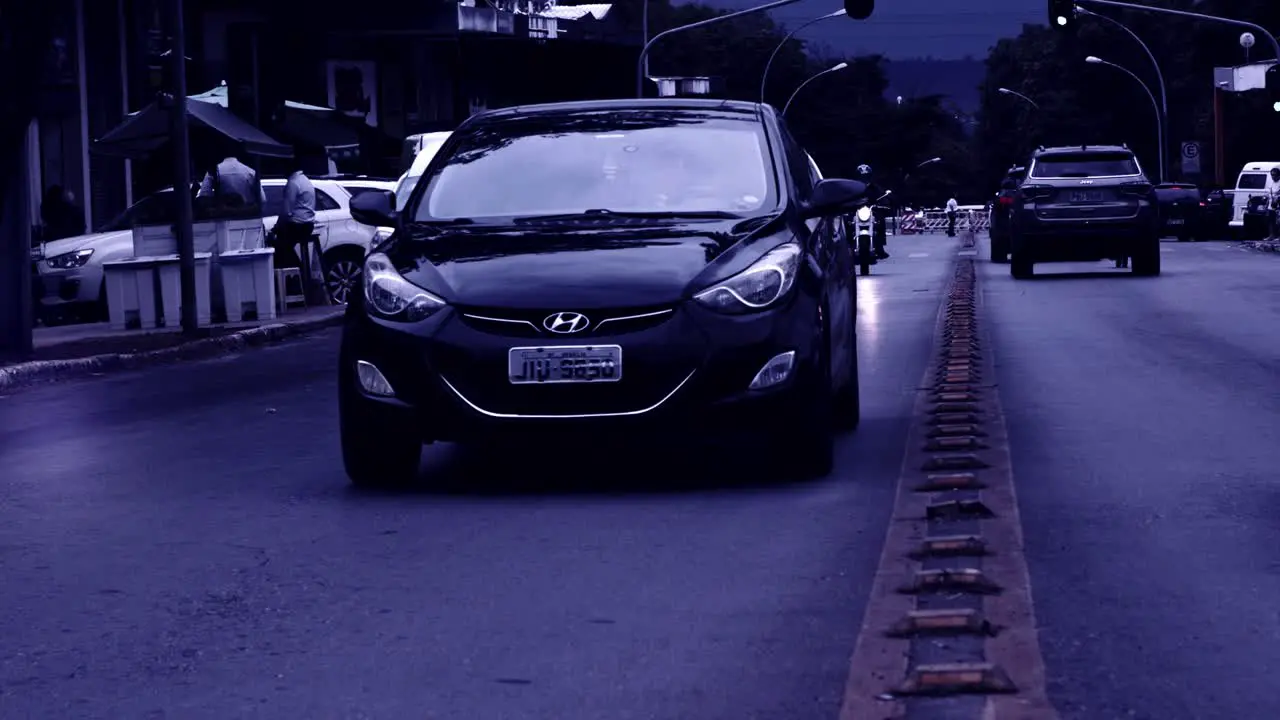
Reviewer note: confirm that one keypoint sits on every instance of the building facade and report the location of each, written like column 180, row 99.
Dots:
column 399, row 67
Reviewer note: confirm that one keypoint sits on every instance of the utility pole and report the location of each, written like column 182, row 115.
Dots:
column 22, row 43
column 182, row 170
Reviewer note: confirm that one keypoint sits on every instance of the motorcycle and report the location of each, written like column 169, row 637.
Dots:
column 864, row 233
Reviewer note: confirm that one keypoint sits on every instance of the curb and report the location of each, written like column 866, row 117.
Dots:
column 27, row 373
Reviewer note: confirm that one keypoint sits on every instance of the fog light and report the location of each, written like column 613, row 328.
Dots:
column 372, row 381
column 776, row 371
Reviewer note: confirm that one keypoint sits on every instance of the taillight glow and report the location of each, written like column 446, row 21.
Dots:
column 1006, row 200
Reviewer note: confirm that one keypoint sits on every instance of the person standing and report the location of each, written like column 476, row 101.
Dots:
column 1273, row 204
column 953, row 209
column 231, row 183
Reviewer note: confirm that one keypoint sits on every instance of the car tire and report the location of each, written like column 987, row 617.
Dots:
column 342, row 269
column 377, row 451
column 999, row 251
column 847, row 410
column 1146, row 261
column 1021, row 269
column 809, row 445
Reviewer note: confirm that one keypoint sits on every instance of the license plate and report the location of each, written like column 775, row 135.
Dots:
column 1177, row 221
column 564, row 364
column 1082, row 196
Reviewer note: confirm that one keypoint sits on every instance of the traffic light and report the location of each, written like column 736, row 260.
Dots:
column 1062, row 14
column 859, row 9
column 1273, row 86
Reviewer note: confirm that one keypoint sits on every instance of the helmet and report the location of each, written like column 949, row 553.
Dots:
column 864, row 170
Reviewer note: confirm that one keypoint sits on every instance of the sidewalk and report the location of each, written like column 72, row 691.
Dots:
column 76, row 350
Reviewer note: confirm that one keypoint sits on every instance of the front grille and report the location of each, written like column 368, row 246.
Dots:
column 530, row 323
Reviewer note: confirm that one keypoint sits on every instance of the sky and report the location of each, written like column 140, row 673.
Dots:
column 901, row 29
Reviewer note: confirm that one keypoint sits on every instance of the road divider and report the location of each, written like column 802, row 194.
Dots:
column 949, row 628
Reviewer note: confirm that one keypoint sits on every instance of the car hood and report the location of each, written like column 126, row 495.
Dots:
column 537, row 268
column 95, row 241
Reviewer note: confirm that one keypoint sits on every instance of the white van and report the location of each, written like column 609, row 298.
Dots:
column 428, row 145
column 1252, row 181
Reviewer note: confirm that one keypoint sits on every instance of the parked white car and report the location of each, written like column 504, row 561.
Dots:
column 70, row 270
column 428, row 145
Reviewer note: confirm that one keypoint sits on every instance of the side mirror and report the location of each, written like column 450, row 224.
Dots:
column 834, row 196
column 376, row 208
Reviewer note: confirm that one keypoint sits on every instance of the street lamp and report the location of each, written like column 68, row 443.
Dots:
column 764, row 76
column 834, row 68
column 1029, row 101
column 1164, row 92
column 1092, row 60
column 642, row 61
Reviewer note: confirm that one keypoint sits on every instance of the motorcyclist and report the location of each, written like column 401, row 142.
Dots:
column 874, row 191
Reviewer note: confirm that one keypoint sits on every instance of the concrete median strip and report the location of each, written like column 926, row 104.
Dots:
column 950, row 629
column 23, row 374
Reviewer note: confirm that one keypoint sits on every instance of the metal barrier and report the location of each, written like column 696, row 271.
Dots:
column 935, row 221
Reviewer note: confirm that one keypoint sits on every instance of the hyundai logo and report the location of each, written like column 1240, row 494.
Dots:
column 566, row 322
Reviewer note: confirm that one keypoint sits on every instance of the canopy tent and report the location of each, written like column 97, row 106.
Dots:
column 147, row 130
column 306, row 124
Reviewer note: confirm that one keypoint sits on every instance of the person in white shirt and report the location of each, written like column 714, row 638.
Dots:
column 297, row 220
column 1273, row 204
column 953, row 208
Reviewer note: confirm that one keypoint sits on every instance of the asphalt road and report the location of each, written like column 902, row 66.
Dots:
column 183, row 543
column 1145, row 430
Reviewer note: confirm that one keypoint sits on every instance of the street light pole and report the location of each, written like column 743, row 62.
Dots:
column 642, row 61
column 764, row 76
column 182, row 171
column 834, row 68
column 1164, row 91
column 1154, row 105
column 1024, row 98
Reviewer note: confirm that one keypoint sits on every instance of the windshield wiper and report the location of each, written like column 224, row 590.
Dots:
column 634, row 215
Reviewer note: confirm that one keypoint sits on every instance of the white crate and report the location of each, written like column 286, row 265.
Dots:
column 248, row 284
column 154, row 241
column 131, row 293
column 171, row 288
column 234, row 235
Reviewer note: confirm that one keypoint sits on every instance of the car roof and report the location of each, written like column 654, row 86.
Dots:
column 738, row 106
column 1076, row 149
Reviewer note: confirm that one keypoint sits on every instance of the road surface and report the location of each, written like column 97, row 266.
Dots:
column 1144, row 424
column 183, row 543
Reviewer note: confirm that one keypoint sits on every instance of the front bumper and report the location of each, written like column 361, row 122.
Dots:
column 57, row 288
column 689, row 373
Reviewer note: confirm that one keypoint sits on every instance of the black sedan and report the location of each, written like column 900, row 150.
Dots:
column 616, row 268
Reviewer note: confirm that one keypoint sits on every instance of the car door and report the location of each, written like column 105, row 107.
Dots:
column 329, row 217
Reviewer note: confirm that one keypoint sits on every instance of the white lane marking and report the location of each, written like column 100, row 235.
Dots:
column 968, row 252
column 918, row 255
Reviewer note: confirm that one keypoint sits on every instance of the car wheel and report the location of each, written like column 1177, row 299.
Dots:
column 1146, row 261
column 809, row 434
column 378, row 451
column 342, row 270
column 999, row 251
column 1021, row 269
column 848, row 402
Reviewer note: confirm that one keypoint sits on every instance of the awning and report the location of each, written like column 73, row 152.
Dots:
column 321, row 128
column 147, row 130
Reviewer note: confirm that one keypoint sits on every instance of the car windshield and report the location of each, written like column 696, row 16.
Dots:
column 1085, row 165
column 621, row 161
column 1252, row 181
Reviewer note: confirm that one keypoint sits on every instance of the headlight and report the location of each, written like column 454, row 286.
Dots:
column 757, row 287
column 864, row 214
column 66, row 261
column 389, row 296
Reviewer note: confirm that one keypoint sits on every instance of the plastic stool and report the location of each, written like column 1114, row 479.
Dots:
column 283, row 298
